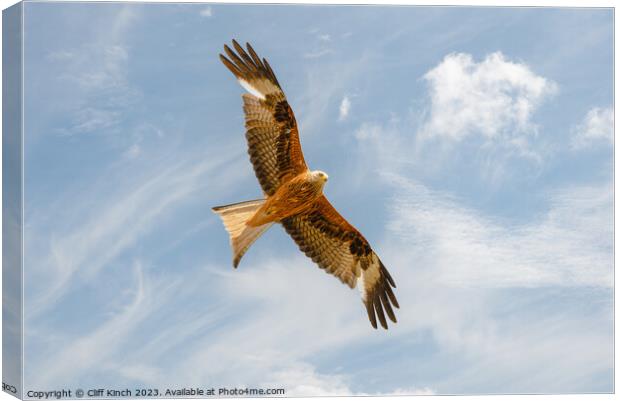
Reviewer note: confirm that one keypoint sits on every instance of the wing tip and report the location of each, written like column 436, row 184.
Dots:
column 380, row 312
column 379, row 299
column 371, row 314
column 247, row 65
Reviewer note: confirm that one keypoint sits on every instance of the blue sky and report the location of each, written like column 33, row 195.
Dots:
column 473, row 147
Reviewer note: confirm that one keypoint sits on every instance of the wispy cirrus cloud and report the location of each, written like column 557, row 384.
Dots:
column 571, row 245
column 317, row 53
column 270, row 348
column 91, row 119
column 83, row 353
column 121, row 217
column 97, row 74
column 464, row 257
column 597, row 127
column 275, row 344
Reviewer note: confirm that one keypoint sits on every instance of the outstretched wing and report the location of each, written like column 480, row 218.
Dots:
column 336, row 246
column 271, row 129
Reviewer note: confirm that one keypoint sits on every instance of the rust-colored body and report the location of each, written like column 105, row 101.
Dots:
column 294, row 196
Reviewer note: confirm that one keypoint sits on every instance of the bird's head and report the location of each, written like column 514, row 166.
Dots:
column 320, row 176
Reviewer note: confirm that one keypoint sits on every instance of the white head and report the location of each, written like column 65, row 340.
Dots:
column 319, row 176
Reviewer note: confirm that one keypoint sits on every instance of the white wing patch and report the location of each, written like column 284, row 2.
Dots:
column 246, row 85
column 361, row 285
column 369, row 277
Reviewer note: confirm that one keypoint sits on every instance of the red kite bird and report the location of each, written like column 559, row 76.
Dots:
column 294, row 194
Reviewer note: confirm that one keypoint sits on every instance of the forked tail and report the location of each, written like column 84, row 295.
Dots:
column 241, row 235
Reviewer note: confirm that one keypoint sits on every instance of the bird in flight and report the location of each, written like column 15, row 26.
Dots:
column 294, row 194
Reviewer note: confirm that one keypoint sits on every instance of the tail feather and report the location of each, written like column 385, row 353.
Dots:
column 241, row 235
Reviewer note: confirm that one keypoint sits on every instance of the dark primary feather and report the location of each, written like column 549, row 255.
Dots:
column 381, row 298
column 246, row 66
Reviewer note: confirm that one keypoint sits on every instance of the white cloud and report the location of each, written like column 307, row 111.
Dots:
column 301, row 380
column 410, row 391
column 324, row 37
column 596, row 127
column 494, row 98
column 345, row 107
column 479, row 117
column 206, row 12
